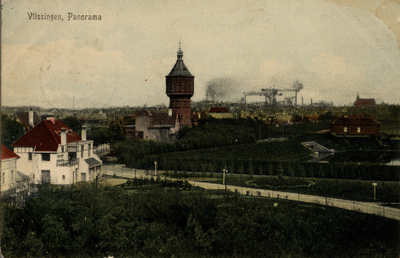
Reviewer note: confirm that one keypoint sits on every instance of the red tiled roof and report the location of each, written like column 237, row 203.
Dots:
column 355, row 121
column 158, row 118
column 45, row 136
column 6, row 153
column 161, row 118
column 364, row 102
column 219, row 110
column 23, row 118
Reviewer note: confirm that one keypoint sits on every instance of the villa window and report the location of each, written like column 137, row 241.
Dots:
column 358, row 130
column 345, row 129
column 30, row 156
column 45, row 156
column 45, row 176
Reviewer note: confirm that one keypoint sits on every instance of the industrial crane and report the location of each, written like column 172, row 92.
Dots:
column 270, row 94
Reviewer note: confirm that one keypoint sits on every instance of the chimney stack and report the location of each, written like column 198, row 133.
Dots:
column 31, row 124
column 63, row 136
column 83, row 135
column 52, row 119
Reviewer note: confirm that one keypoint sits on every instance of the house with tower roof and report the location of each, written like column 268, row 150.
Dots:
column 52, row 152
column 163, row 126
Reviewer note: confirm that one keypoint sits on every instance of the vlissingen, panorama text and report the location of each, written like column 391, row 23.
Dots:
column 58, row 17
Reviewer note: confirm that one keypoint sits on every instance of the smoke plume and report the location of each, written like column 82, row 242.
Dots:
column 223, row 89
column 297, row 85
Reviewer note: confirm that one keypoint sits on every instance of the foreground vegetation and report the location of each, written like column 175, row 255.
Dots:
column 92, row 220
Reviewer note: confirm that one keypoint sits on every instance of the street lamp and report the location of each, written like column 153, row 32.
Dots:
column 374, row 184
column 224, row 178
column 155, row 166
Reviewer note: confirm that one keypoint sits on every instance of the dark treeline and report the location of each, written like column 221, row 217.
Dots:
column 212, row 133
column 95, row 221
column 209, row 133
column 230, row 143
column 274, row 168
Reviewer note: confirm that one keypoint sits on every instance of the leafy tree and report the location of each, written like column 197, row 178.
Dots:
column 73, row 123
column 250, row 169
column 11, row 130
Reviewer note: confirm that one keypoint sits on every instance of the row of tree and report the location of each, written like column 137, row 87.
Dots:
column 274, row 168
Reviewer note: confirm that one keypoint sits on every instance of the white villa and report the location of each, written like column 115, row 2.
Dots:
column 52, row 152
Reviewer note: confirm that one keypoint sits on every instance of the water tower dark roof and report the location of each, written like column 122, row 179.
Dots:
column 180, row 68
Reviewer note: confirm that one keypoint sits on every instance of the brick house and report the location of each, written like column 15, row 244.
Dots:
column 53, row 152
column 355, row 126
column 27, row 119
column 364, row 102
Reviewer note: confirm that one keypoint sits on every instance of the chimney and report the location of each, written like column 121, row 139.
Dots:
column 31, row 118
column 170, row 112
column 52, row 119
column 63, row 136
column 83, row 134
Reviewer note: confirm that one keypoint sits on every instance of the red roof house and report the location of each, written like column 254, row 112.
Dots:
column 6, row 153
column 364, row 102
column 219, row 110
column 53, row 152
column 8, row 176
column 46, row 136
column 355, row 126
column 27, row 119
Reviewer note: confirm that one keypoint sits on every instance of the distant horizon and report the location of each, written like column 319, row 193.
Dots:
column 166, row 106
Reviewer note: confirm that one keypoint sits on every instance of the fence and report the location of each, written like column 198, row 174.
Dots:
column 102, row 149
column 119, row 170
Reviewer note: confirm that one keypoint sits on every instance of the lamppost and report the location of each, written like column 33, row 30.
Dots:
column 374, row 184
column 155, row 166
column 224, row 178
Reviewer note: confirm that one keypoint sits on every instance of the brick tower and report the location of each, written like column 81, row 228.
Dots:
column 180, row 88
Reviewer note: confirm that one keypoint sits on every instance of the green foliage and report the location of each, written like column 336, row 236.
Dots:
column 213, row 132
column 96, row 221
column 11, row 130
column 112, row 134
column 73, row 123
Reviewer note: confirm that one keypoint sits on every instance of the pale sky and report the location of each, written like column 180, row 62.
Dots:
column 336, row 48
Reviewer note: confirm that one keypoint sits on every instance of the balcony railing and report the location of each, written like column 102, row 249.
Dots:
column 67, row 163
